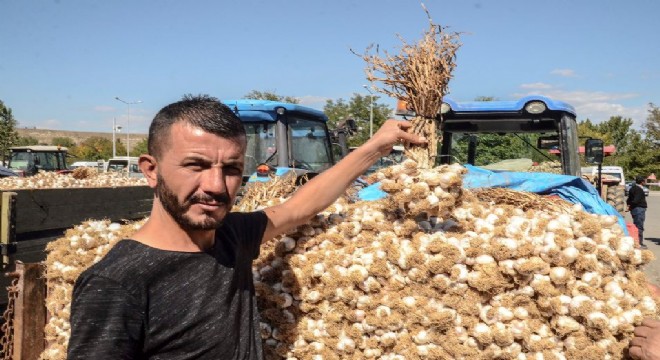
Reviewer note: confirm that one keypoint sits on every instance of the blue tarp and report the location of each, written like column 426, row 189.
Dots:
column 570, row 188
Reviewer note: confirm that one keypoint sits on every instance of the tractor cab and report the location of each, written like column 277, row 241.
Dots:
column 510, row 135
column 29, row 160
column 283, row 137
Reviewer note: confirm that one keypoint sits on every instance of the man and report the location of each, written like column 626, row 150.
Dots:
column 182, row 287
column 637, row 207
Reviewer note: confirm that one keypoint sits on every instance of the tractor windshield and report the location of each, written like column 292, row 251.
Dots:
column 507, row 152
column 19, row 160
column 34, row 161
column 261, row 145
column 309, row 144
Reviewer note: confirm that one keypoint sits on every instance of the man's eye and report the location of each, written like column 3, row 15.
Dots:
column 193, row 166
column 234, row 170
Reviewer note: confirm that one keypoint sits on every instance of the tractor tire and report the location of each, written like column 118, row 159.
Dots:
column 616, row 196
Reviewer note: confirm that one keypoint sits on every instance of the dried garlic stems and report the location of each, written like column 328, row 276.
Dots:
column 419, row 75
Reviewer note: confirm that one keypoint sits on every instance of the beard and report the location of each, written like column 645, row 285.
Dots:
column 179, row 210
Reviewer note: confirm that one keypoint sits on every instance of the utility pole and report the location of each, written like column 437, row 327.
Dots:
column 128, row 119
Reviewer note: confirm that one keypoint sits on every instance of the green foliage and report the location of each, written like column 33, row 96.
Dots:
column 649, row 148
column 140, row 148
column 652, row 124
column 357, row 108
column 94, row 148
column 67, row 142
column 492, row 148
column 8, row 134
column 26, row 141
column 636, row 152
column 642, row 157
column 269, row 95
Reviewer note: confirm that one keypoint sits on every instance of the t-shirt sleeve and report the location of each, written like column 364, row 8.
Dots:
column 249, row 228
column 106, row 321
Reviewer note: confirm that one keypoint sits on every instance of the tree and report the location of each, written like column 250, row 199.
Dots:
column 8, row 134
column 357, row 108
column 26, row 141
column 643, row 158
column 268, row 95
column 66, row 142
column 94, row 148
column 140, row 148
column 643, row 154
column 615, row 131
column 652, row 124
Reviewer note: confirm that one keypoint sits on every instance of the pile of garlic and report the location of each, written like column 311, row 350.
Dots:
column 52, row 180
column 68, row 257
column 431, row 272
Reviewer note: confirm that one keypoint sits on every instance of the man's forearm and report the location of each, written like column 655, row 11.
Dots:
column 325, row 188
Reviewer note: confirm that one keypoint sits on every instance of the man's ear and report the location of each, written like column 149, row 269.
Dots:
column 149, row 167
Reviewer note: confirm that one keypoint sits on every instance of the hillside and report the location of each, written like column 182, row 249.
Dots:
column 46, row 136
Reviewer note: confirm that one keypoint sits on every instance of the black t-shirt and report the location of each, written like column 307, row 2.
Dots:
column 139, row 302
column 636, row 197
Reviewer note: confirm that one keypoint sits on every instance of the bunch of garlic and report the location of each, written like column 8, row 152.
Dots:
column 67, row 258
column 52, row 180
column 431, row 272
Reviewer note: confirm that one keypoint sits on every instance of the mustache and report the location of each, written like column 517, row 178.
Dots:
column 206, row 198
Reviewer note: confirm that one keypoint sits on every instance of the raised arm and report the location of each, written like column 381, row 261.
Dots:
column 325, row 188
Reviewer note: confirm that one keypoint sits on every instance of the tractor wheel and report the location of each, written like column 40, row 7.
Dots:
column 616, row 196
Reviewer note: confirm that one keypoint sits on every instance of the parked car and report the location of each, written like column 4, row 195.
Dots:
column 629, row 184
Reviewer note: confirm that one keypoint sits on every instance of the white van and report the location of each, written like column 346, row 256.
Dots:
column 611, row 172
column 124, row 164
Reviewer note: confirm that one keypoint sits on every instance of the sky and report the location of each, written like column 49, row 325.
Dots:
column 63, row 62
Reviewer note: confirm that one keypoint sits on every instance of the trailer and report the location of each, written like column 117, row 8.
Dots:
column 29, row 220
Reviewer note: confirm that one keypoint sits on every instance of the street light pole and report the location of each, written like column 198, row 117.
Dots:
column 114, row 142
column 371, row 111
column 128, row 120
column 115, row 129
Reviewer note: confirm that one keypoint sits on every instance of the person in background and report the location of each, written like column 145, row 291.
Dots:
column 637, row 207
column 182, row 287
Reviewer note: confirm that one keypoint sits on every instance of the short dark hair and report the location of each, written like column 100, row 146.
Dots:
column 202, row 111
column 640, row 179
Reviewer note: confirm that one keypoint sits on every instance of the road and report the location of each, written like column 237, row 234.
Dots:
column 652, row 235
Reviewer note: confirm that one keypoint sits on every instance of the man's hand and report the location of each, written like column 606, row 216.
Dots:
column 646, row 343
column 390, row 133
column 654, row 290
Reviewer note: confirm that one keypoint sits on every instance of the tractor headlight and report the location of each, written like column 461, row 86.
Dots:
column 445, row 108
column 535, row 107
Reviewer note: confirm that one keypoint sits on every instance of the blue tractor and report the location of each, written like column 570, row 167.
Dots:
column 283, row 138
column 539, row 123
column 502, row 142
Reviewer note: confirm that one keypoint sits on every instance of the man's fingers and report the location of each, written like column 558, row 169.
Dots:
column 635, row 352
column 637, row 341
column 654, row 289
column 653, row 324
column 412, row 138
column 643, row 331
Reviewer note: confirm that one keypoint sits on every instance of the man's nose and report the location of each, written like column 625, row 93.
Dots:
column 213, row 181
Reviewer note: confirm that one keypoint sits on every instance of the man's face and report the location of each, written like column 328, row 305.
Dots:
column 198, row 176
